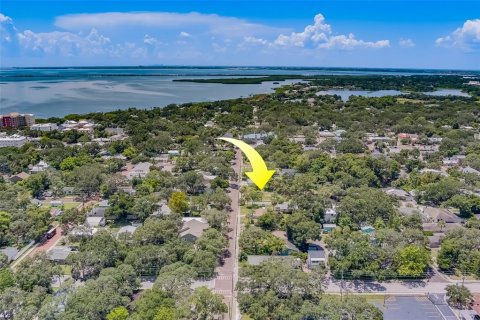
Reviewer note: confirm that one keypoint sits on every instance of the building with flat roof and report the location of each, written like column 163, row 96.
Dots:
column 15, row 140
column 46, row 127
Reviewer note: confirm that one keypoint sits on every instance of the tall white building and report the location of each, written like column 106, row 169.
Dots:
column 44, row 127
column 12, row 141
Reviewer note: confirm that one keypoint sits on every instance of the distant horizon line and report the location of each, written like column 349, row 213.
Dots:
column 235, row 66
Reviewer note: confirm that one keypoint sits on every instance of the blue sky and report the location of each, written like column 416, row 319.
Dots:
column 330, row 33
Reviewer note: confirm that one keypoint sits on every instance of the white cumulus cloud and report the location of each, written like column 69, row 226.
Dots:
column 466, row 37
column 318, row 35
column 7, row 29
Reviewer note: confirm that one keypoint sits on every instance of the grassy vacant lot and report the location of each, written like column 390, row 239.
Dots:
column 70, row 205
column 66, row 205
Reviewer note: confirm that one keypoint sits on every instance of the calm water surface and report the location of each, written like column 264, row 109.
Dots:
column 59, row 91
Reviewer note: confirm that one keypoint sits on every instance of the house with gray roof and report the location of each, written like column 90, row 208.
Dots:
column 10, row 252
column 95, row 221
column 126, row 231
column 470, row 170
column 140, row 170
column 59, row 254
column 163, row 209
column 316, row 257
column 193, row 228
column 433, row 214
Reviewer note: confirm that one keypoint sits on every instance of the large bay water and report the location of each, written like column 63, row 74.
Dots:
column 345, row 94
column 48, row 92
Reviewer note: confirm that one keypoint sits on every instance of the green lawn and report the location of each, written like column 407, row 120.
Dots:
column 66, row 205
column 66, row 269
column 70, row 205
column 267, row 196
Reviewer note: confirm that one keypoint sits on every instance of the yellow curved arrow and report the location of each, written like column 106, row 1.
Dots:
column 260, row 174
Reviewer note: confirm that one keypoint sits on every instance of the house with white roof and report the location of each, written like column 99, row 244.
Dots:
column 40, row 167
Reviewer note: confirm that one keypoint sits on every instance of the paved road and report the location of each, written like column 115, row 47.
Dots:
column 44, row 247
column 227, row 274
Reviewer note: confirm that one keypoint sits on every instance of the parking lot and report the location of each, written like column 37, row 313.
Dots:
column 418, row 308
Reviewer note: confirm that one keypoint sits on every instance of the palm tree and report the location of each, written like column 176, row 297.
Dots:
column 441, row 224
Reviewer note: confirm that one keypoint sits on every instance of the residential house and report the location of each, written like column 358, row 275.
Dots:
column 56, row 203
column 163, row 209
column 435, row 227
column 10, row 252
column 290, row 247
column 408, row 136
column 163, row 158
column 284, row 207
column 140, row 170
column 59, row 254
column 103, row 204
column 327, row 134
column 399, row 194
column 193, row 228
column 19, row 177
column 451, row 162
column 434, row 140
column 428, row 149
column 316, row 257
column 81, row 232
column 375, row 138
column 288, row 172
column 331, row 215
column 126, row 231
column 115, row 131
column 256, row 137
column 98, row 212
column 68, row 191
column 433, row 171
column 40, row 167
column 470, row 170
column 298, row 139
column 433, row 214
column 95, row 221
